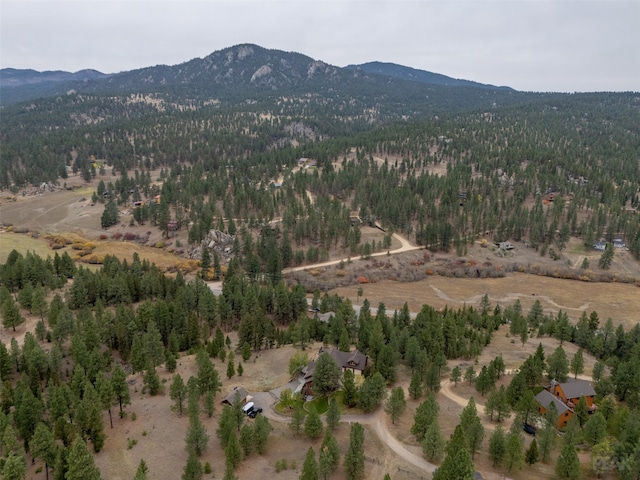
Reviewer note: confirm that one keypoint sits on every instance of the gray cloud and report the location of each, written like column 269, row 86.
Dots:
column 537, row 45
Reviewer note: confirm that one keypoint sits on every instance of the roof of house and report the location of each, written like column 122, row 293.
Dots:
column 356, row 359
column 545, row 398
column 577, row 388
column 231, row 397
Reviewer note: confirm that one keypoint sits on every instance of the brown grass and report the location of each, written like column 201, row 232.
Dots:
column 621, row 302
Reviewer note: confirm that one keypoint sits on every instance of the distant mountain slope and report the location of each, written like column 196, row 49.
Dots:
column 24, row 84
column 421, row 76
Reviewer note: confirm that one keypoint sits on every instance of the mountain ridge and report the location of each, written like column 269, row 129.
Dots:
column 243, row 68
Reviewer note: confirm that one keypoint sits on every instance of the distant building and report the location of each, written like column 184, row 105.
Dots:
column 600, row 246
column 619, row 243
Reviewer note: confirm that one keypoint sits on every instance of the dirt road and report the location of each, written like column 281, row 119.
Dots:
column 405, row 247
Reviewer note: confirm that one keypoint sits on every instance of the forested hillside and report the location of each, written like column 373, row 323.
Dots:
column 445, row 164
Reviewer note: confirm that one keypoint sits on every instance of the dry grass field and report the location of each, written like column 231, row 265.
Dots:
column 621, row 302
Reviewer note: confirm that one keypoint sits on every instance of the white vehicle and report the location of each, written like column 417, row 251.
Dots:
column 247, row 408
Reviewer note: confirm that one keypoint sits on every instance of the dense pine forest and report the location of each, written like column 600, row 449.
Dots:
column 290, row 157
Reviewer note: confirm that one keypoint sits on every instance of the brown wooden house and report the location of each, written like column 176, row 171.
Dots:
column 566, row 396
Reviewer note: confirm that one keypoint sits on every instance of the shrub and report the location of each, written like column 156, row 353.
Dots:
column 117, row 236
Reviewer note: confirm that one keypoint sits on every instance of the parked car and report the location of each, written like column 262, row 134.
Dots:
column 530, row 429
column 248, row 408
column 253, row 413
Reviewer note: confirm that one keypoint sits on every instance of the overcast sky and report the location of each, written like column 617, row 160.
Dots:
column 540, row 45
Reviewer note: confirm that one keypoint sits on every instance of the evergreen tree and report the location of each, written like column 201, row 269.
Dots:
column 110, row 215
column 513, row 455
column 547, row 438
column 310, row 466
column 232, row 452
column 457, row 462
column 246, row 440
column 349, row 389
column 261, row 430
column 193, row 468
column 497, row 446
column 354, row 458
column 433, row 443
column 415, row 386
column 15, row 467
column 595, row 429
column 558, row 365
column 297, row 419
column 472, row 427
column 313, row 426
column 426, row 414
column 120, row 386
column 333, row 414
column 43, row 446
column 329, row 455
column 80, row 462
column 11, row 316
column 456, row 375
column 531, row 455
column 178, row 392
column 395, row 404
column 197, row 438
column 372, row 392
column 607, row 257
column 326, row 375
column 568, row 464
column 142, row 470
column 577, row 363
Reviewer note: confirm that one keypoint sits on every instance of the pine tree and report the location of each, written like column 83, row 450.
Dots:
column 43, row 446
column 415, row 387
column 333, row 414
column 531, row 455
column 497, row 446
column 232, row 452
column 354, row 458
column 568, row 464
column 120, row 386
column 456, row 375
column 193, row 468
column 178, row 392
column 297, row 419
column 142, row 470
column 329, row 455
column 11, row 316
column 310, row 467
column 15, row 467
column 395, row 404
column 261, row 430
column 426, row 413
column 349, row 389
column 457, row 462
column 80, row 462
column 577, row 363
column 197, row 438
column 433, row 443
column 313, row 426
column 246, row 440
column 472, row 427
column 513, row 455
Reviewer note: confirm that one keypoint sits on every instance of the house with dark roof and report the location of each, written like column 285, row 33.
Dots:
column 355, row 361
column 566, row 396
